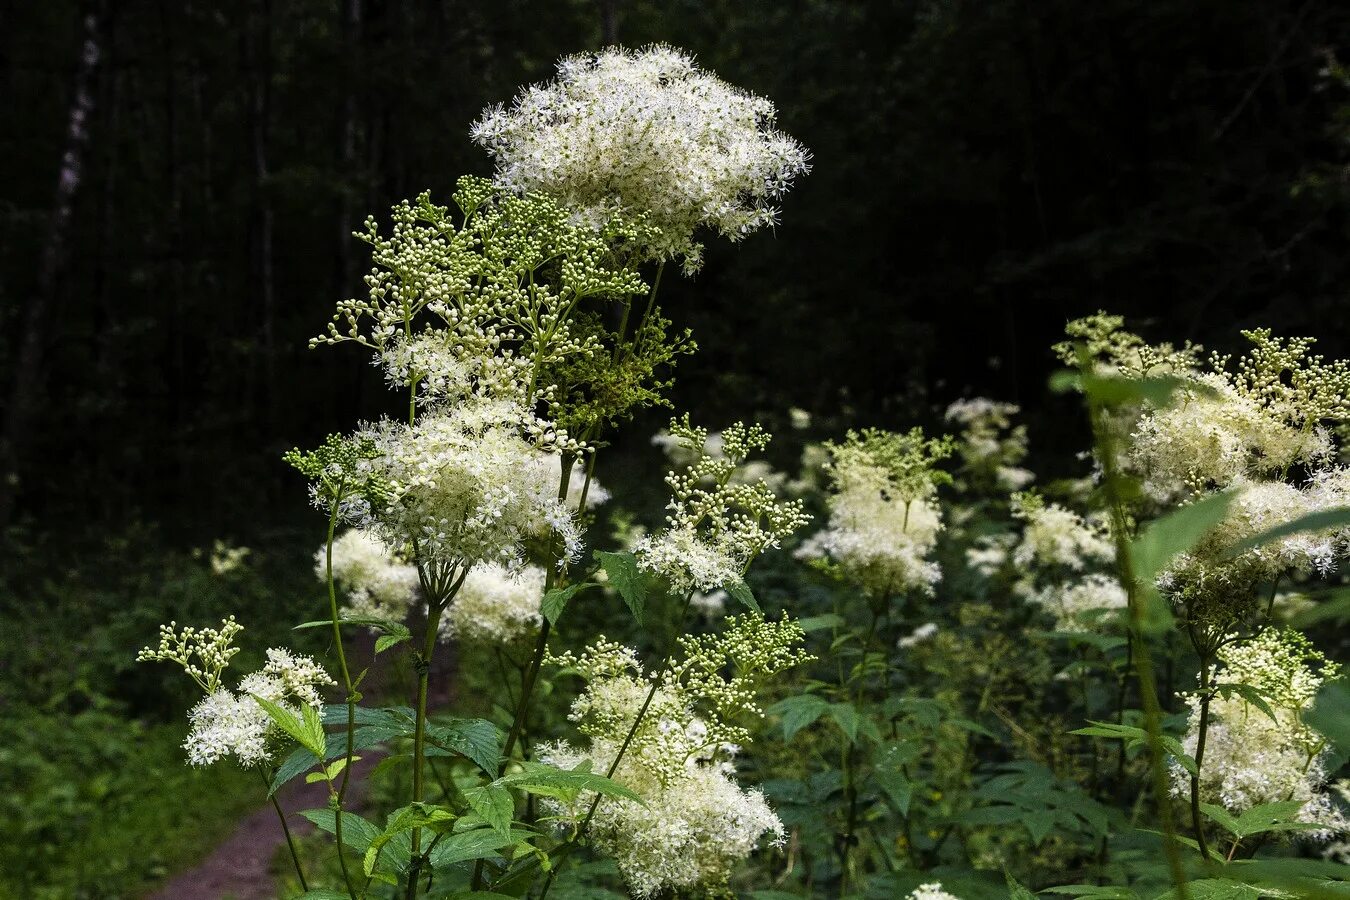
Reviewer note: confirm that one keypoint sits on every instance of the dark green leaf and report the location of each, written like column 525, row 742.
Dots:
column 477, row 739
column 740, row 592
column 798, row 712
column 627, row 579
column 495, row 804
column 555, row 601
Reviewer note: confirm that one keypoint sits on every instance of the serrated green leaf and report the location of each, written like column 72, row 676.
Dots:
column 477, row 739
column 798, row 712
column 385, row 641
column 845, row 715
column 555, row 601
column 1175, row 533
column 741, row 593
column 549, row 781
column 357, row 832
column 469, row 845
column 627, row 579
column 1015, row 890
column 818, row 623
column 495, row 804
column 294, row 725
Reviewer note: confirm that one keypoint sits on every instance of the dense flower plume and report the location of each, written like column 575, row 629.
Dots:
column 1255, row 756
column 647, row 133
column 495, row 604
column 884, row 522
column 694, row 822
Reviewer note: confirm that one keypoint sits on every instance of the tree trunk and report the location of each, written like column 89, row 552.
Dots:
column 26, row 382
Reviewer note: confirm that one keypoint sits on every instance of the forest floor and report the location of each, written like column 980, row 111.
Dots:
column 243, row 866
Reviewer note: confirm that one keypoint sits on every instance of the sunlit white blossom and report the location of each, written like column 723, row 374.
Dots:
column 376, row 581
column 646, row 132
column 496, row 604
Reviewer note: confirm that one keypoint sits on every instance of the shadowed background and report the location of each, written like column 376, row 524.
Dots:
column 182, row 178
column 983, row 171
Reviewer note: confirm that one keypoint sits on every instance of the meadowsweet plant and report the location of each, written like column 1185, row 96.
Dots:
column 1117, row 683
column 718, row 523
column 1260, row 751
column 520, row 330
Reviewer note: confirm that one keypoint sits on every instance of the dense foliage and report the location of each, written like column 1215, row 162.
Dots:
column 867, row 659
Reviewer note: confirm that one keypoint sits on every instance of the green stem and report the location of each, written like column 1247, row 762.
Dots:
column 1197, row 821
column 346, row 685
column 286, row 830
column 1148, row 692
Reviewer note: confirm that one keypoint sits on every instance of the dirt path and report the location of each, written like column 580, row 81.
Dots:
column 240, row 868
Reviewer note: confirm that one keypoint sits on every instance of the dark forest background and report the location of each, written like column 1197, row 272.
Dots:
column 180, row 183
column 181, row 180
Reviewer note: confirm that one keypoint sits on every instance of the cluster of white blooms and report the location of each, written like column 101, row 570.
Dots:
column 1218, row 584
column 931, row 891
column 466, row 485
column 596, row 495
column 989, row 554
column 496, row 604
column 1214, row 435
column 991, row 446
column 1076, row 604
column 924, row 632
column 1253, row 758
column 646, row 133
column 1053, row 536
column 884, row 521
column 1260, row 427
column 377, row 581
column 227, row 723
column 711, row 605
column 717, row 524
column 694, row 823
column 1253, row 421
column 687, row 832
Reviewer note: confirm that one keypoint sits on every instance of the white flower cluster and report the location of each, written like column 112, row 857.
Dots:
column 718, row 523
column 466, row 485
column 1058, row 559
column 931, row 891
column 991, row 446
column 689, row 831
column 377, row 582
column 1217, row 584
column 227, row 723
column 646, row 133
column 1078, row 603
column 697, row 823
column 924, row 632
column 1215, row 436
column 1252, row 758
column 496, row 604
column 884, row 522
column 1053, row 536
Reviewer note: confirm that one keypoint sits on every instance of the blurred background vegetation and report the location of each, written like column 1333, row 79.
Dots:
column 182, row 179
